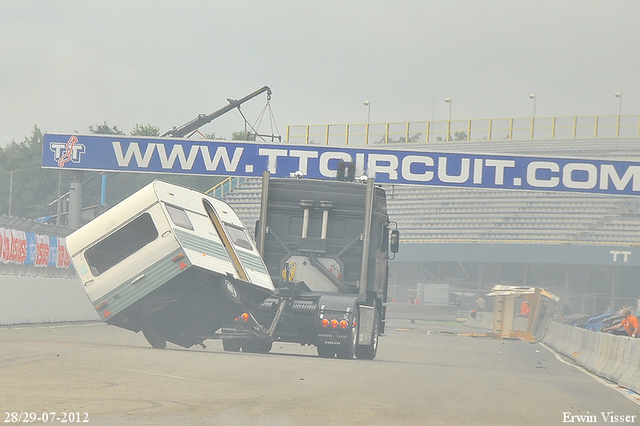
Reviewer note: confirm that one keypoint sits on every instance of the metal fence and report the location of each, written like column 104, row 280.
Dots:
column 599, row 126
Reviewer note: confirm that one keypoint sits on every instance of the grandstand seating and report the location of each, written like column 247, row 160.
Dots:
column 245, row 200
column 434, row 214
column 439, row 214
column 427, row 214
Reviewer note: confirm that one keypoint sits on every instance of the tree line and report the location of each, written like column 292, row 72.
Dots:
column 29, row 191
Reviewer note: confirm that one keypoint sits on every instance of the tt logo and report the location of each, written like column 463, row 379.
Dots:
column 616, row 253
column 69, row 151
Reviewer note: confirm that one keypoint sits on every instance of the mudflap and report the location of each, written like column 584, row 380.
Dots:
column 337, row 325
column 365, row 331
column 245, row 334
column 368, row 334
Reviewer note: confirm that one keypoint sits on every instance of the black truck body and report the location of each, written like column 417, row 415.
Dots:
column 326, row 247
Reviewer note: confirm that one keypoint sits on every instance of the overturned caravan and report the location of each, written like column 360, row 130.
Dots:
column 171, row 262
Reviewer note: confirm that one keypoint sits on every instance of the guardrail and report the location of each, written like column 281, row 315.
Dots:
column 598, row 126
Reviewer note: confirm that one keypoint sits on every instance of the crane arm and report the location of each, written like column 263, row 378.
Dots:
column 202, row 119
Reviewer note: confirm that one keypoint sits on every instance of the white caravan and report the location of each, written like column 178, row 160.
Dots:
column 171, row 262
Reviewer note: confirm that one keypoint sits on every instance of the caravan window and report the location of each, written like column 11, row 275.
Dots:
column 238, row 236
column 179, row 217
column 121, row 244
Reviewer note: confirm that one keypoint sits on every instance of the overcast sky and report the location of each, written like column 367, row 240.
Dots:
column 67, row 65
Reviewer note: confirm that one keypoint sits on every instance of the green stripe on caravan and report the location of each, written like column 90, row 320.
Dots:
column 252, row 262
column 202, row 245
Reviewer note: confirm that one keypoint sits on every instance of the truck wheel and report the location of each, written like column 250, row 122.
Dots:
column 326, row 351
column 231, row 345
column 154, row 339
column 348, row 350
column 257, row 346
column 370, row 351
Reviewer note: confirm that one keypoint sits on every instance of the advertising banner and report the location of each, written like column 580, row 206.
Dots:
column 120, row 153
column 32, row 249
column 63, row 259
column 18, row 247
column 28, row 248
column 5, row 235
column 42, row 244
column 53, row 252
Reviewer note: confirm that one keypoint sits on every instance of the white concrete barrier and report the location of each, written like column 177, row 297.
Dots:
column 606, row 353
column 569, row 340
column 32, row 300
column 482, row 320
column 626, row 361
column 630, row 378
column 590, row 350
column 616, row 358
column 485, row 320
column 421, row 312
column 520, row 323
column 576, row 338
column 551, row 337
column 563, row 339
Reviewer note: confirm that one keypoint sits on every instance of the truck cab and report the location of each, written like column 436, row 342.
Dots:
column 326, row 245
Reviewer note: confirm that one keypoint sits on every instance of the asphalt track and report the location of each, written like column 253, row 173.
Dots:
column 425, row 374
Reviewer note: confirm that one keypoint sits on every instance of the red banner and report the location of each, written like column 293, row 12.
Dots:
column 42, row 250
column 17, row 247
column 64, row 260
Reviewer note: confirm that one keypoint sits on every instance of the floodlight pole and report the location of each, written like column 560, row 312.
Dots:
column 533, row 118
column 619, row 96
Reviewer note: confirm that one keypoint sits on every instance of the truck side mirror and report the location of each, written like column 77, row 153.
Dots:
column 394, row 240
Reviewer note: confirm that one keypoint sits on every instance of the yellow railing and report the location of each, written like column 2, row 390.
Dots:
column 224, row 187
column 538, row 128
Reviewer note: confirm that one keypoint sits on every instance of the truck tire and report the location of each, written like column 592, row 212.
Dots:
column 154, row 339
column 370, row 351
column 348, row 350
column 231, row 345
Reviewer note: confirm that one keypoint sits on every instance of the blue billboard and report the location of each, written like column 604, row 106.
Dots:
column 118, row 153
